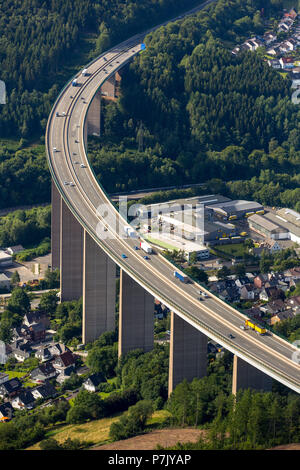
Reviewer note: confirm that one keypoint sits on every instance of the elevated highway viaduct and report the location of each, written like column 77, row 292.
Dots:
column 88, row 242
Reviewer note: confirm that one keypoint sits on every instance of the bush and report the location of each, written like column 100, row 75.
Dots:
column 133, row 422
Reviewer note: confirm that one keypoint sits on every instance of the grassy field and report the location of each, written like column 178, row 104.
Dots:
column 233, row 251
column 96, row 432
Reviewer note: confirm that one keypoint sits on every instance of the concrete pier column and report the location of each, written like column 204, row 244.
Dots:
column 136, row 317
column 246, row 376
column 99, row 291
column 93, row 119
column 55, row 227
column 71, row 255
column 188, row 352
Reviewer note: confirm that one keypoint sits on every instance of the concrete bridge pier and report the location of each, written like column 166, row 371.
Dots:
column 93, row 119
column 71, row 255
column 55, row 227
column 136, row 316
column 188, row 352
column 246, row 376
column 99, row 291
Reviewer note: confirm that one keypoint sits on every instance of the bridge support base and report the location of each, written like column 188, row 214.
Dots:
column 71, row 254
column 55, row 227
column 99, row 291
column 136, row 317
column 188, row 352
column 246, row 376
column 93, row 120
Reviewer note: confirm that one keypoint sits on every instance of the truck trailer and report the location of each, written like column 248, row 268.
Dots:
column 182, row 277
column 146, row 247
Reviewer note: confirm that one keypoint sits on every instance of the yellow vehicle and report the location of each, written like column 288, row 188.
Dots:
column 248, row 214
column 243, row 234
column 232, row 217
column 260, row 212
column 255, row 327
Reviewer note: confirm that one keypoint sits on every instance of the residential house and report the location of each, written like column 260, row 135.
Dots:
column 288, row 45
column 248, row 292
column 4, row 282
column 13, row 250
column 63, row 376
column 24, row 401
column 273, row 307
column 269, row 37
column 293, row 302
column 92, row 382
column 10, row 388
column 6, row 412
column 3, row 377
column 65, row 362
column 281, row 316
column 57, row 349
column 271, row 245
column 291, row 14
column 286, row 62
column 254, row 312
column 292, row 274
column 44, row 391
column 32, row 318
column 43, row 354
column 259, row 281
column 43, row 372
column 37, row 332
column 241, row 281
column 274, row 50
column 274, row 63
column 269, row 293
column 20, row 354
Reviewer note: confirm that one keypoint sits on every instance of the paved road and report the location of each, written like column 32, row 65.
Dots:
column 86, row 200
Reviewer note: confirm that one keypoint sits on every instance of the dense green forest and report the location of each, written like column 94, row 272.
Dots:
column 38, row 35
column 209, row 114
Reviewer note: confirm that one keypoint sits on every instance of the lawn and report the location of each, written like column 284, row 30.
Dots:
column 93, row 432
column 234, row 251
column 96, row 432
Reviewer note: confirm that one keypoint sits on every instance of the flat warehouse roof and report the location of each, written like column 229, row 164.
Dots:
column 239, row 205
column 282, row 222
column 263, row 222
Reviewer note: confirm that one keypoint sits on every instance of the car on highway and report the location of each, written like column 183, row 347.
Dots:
column 124, row 256
column 146, row 257
column 231, row 336
column 66, row 183
column 82, row 165
column 72, row 184
column 136, row 248
column 203, row 294
column 57, row 114
column 55, row 149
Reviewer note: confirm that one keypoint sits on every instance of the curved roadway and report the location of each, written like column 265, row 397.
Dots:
column 93, row 209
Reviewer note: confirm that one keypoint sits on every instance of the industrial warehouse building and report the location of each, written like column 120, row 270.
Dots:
column 236, row 209
column 282, row 225
column 177, row 205
column 5, row 259
column 174, row 242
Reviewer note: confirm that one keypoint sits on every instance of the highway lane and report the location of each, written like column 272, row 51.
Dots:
column 85, row 198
